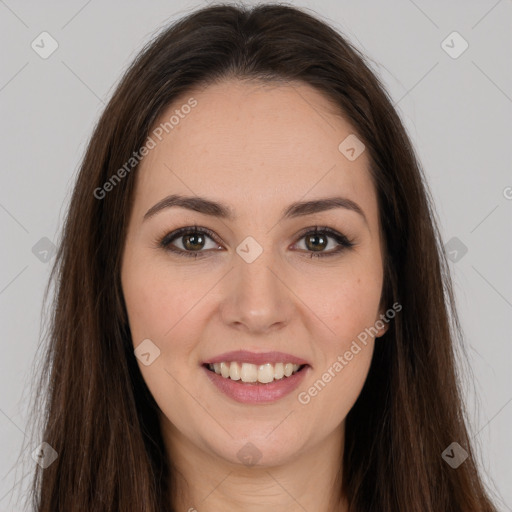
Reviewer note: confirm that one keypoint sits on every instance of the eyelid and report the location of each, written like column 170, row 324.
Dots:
column 165, row 242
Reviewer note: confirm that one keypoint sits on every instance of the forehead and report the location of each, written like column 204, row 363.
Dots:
column 253, row 145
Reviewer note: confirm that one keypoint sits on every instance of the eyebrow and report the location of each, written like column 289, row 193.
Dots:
column 215, row 209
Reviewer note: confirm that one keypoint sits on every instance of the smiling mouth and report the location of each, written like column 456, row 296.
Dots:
column 253, row 373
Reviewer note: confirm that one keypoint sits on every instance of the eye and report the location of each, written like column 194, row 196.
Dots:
column 193, row 239
column 317, row 240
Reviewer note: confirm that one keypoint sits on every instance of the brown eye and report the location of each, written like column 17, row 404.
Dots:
column 194, row 239
column 318, row 240
column 193, row 242
column 189, row 241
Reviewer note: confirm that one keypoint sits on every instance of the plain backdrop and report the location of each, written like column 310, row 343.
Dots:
column 455, row 104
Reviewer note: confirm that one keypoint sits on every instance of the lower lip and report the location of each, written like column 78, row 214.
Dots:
column 255, row 392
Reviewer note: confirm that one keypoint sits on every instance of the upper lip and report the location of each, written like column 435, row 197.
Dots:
column 244, row 356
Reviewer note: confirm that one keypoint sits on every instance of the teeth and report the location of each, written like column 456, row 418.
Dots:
column 247, row 372
column 278, row 371
column 288, row 369
column 265, row 373
column 234, row 371
column 224, row 370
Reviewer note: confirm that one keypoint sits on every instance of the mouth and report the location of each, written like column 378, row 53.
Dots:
column 249, row 377
column 252, row 373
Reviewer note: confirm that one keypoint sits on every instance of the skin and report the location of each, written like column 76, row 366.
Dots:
column 256, row 148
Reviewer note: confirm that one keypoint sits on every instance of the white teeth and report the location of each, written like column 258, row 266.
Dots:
column 224, row 370
column 265, row 373
column 278, row 371
column 234, row 371
column 247, row 372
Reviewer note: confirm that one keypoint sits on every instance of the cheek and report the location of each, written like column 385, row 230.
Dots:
column 349, row 308
column 164, row 305
column 355, row 309
column 156, row 299
column 160, row 308
column 333, row 392
column 349, row 303
column 344, row 355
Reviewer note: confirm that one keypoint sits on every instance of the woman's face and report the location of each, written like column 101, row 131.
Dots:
column 260, row 282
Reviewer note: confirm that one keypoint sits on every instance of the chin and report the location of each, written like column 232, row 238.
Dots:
column 258, row 447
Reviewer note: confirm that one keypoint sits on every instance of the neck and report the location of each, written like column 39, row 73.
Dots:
column 205, row 482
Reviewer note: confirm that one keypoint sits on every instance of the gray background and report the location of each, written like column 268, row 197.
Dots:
column 457, row 112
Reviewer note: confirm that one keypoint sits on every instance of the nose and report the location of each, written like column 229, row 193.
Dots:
column 257, row 298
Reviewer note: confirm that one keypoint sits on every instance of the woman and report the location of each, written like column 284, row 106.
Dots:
column 253, row 305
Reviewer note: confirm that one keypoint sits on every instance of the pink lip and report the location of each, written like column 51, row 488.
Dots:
column 244, row 356
column 256, row 393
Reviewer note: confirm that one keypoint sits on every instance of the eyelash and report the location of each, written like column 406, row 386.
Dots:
column 165, row 242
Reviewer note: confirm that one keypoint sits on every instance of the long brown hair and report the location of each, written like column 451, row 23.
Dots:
column 95, row 409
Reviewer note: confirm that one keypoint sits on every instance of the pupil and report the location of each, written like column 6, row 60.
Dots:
column 316, row 237
column 193, row 245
